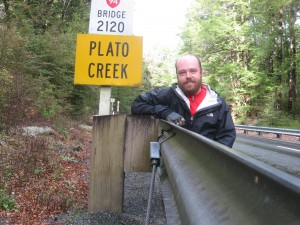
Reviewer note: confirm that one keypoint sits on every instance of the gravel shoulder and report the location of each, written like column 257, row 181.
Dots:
column 136, row 191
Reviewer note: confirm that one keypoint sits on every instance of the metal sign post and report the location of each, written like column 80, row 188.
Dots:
column 104, row 100
column 109, row 56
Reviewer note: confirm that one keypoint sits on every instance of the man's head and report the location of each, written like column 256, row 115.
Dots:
column 189, row 74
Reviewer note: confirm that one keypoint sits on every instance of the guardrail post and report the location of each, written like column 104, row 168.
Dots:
column 140, row 131
column 107, row 176
column 120, row 144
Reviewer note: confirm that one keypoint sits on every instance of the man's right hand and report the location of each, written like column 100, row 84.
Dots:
column 176, row 118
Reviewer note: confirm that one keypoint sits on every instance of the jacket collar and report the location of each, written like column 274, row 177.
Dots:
column 210, row 99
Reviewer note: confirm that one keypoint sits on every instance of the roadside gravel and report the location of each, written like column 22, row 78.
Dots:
column 136, row 191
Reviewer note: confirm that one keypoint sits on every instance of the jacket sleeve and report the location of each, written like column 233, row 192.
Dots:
column 154, row 103
column 226, row 132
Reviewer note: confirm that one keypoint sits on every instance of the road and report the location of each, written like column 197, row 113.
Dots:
column 282, row 154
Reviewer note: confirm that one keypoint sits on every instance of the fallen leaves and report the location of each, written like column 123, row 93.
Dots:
column 45, row 175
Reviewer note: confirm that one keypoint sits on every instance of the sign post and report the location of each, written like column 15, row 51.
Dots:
column 108, row 56
column 107, row 17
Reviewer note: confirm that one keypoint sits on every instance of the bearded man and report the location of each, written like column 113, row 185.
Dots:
column 191, row 104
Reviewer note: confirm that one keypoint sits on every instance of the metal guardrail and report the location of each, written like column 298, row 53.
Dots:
column 204, row 182
column 278, row 131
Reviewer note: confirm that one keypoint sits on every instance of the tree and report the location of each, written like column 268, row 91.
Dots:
column 292, row 74
column 246, row 52
column 217, row 31
column 160, row 67
column 37, row 57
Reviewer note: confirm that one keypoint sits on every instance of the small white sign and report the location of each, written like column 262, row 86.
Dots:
column 111, row 17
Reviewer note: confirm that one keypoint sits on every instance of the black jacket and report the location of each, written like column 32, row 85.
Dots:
column 212, row 118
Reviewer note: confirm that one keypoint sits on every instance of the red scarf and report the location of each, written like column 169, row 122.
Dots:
column 195, row 100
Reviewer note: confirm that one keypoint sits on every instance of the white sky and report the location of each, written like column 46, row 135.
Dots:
column 159, row 21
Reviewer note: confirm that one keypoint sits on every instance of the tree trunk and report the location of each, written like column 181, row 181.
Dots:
column 279, row 71
column 292, row 71
column 6, row 10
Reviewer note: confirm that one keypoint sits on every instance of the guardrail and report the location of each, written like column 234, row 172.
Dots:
column 278, row 131
column 204, row 182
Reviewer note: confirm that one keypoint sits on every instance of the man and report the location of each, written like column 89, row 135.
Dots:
column 190, row 104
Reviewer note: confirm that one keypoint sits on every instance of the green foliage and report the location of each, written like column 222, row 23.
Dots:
column 7, row 202
column 245, row 47
column 37, row 57
column 18, row 92
column 126, row 95
column 246, row 52
column 84, row 100
column 160, row 67
column 68, row 158
column 273, row 118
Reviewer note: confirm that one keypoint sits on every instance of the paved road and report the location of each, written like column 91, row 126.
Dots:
column 283, row 155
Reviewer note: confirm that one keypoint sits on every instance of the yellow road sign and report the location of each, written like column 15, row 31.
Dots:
column 114, row 60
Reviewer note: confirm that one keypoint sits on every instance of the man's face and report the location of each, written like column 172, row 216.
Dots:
column 189, row 75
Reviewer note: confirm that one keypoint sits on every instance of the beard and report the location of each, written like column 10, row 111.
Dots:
column 190, row 87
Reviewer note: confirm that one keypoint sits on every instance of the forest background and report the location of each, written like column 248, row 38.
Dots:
column 249, row 49
column 250, row 55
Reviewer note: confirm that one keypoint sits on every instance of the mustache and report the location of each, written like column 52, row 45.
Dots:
column 189, row 81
